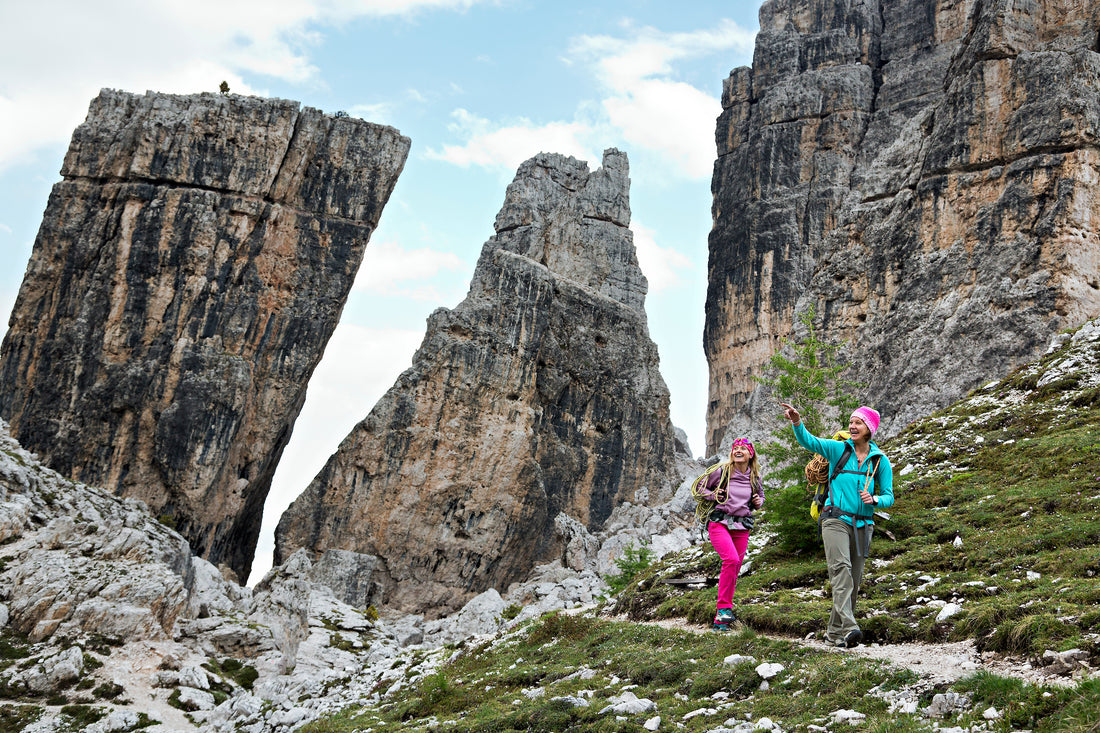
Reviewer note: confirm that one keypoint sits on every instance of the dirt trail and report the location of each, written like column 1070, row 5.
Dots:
column 937, row 663
column 946, row 662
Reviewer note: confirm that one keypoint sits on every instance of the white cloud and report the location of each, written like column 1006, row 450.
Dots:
column 509, row 145
column 650, row 53
column 673, row 118
column 651, row 108
column 646, row 106
column 659, row 264
column 171, row 47
column 359, row 366
column 388, row 269
column 344, row 9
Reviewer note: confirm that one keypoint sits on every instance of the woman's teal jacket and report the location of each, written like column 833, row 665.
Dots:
column 847, row 485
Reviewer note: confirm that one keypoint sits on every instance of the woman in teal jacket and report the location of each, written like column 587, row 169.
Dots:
column 865, row 483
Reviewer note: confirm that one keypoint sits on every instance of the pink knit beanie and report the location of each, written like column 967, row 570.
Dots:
column 868, row 416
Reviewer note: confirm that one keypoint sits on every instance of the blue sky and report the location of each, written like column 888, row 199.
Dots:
column 479, row 86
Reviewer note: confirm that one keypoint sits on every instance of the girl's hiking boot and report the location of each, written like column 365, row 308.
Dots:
column 723, row 619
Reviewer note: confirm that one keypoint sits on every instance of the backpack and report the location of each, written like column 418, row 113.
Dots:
column 817, row 474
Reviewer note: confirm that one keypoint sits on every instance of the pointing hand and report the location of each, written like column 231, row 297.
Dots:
column 791, row 413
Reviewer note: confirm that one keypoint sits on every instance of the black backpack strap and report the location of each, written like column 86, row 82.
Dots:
column 842, row 462
column 836, row 472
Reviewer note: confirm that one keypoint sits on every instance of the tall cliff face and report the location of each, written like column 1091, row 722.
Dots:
column 189, row 270
column 538, row 395
column 924, row 173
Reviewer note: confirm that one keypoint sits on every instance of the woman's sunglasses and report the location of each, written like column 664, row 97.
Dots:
column 745, row 442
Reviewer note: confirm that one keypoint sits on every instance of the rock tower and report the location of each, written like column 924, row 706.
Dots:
column 537, row 396
column 190, row 268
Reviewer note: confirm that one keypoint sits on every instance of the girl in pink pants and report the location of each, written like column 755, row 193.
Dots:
column 736, row 487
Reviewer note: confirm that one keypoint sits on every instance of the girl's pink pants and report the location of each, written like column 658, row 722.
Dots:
column 730, row 544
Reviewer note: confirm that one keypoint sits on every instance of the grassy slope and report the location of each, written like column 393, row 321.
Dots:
column 1013, row 470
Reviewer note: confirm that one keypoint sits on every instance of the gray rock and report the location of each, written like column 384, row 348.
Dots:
column 734, row 659
column 195, row 677
column 57, row 671
column 769, row 670
column 290, row 718
column 538, row 396
column 281, row 601
column 946, row 703
column 628, row 704
column 348, row 574
column 891, row 166
column 1064, row 663
column 192, row 699
column 481, row 615
column 189, row 270
column 116, row 720
column 211, row 594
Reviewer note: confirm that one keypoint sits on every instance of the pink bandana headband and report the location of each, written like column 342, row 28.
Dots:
column 745, row 442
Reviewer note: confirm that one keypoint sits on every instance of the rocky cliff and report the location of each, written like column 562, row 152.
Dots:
column 188, row 272
column 924, row 173
column 537, row 398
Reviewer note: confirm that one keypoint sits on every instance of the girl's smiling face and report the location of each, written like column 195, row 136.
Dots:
column 742, row 450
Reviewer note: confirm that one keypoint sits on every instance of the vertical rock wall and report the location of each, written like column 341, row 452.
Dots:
column 924, row 173
column 538, row 395
column 189, row 270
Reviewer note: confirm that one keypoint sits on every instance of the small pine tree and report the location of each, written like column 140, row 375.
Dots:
column 810, row 379
column 634, row 560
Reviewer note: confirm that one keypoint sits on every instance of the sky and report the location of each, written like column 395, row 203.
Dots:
column 478, row 85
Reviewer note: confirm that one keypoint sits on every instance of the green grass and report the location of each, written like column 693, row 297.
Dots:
column 17, row 717
column 234, row 669
column 78, row 717
column 525, row 681
column 109, row 690
column 495, row 686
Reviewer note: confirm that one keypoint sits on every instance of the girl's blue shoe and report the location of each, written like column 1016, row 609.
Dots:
column 723, row 619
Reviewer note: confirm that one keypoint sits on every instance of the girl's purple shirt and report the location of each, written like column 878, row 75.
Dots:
column 740, row 490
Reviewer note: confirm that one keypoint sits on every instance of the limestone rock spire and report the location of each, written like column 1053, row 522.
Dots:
column 538, row 395
column 921, row 173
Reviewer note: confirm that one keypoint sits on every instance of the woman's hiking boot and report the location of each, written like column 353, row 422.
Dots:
column 723, row 619
column 851, row 639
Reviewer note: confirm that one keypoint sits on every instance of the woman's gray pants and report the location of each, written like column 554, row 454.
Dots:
column 842, row 553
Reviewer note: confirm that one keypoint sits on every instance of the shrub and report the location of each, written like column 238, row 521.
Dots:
column 633, row 561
